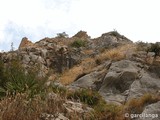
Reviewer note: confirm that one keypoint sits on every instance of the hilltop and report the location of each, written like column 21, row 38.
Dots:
column 82, row 78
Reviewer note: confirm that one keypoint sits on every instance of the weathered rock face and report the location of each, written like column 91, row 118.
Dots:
column 46, row 53
column 118, row 80
column 146, row 84
column 127, row 80
column 25, row 43
column 155, row 69
column 122, row 81
column 82, row 35
column 109, row 40
column 151, row 112
column 57, row 54
column 92, row 80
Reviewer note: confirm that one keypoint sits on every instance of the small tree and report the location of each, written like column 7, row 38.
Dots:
column 12, row 46
column 62, row 35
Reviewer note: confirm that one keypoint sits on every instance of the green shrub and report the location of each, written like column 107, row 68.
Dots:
column 106, row 111
column 78, row 43
column 90, row 97
column 15, row 79
column 62, row 35
column 59, row 90
column 115, row 33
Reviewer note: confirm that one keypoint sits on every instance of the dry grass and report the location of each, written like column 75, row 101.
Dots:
column 137, row 105
column 19, row 108
column 108, row 112
column 87, row 65
column 84, row 67
column 88, row 52
column 116, row 54
column 113, row 54
column 70, row 75
column 22, row 108
column 134, row 106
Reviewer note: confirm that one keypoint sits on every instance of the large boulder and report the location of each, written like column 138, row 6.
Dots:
column 117, row 81
column 92, row 80
column 127, row 80
column 148, row 83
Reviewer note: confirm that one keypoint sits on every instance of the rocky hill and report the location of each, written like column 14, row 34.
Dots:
column 124, row 76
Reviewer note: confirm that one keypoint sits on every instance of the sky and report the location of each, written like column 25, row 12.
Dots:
column 138, row 20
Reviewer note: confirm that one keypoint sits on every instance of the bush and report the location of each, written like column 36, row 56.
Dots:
column 106, row 111
column 89, row 97
column 15, row 79
column 115, row 33
column 155, row 48
column 78, row 43
column 62, row 35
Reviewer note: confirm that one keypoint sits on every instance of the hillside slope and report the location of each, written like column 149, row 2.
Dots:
column 114, row 75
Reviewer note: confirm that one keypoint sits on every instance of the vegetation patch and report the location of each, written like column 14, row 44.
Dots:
column 155, row 48
column 62, row 35
column 137, row 105
column 141, row 46
column 78, row 43
column 89, row 97
column 15, row 79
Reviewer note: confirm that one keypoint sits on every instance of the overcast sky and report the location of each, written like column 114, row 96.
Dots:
column 36, row 19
